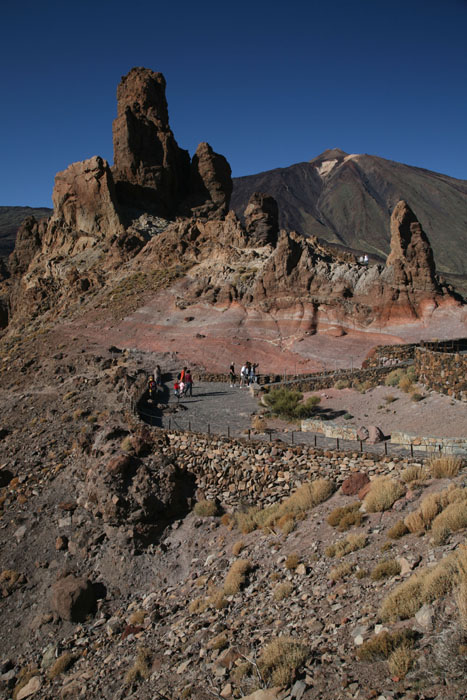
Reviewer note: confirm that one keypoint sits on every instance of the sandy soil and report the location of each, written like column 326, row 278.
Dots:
column 436, row 415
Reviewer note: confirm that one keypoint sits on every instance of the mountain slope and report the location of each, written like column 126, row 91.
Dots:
column 347, row 200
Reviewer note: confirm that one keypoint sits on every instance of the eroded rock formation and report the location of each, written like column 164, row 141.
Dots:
column 262, row 219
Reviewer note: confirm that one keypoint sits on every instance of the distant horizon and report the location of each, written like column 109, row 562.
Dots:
column 265, row 86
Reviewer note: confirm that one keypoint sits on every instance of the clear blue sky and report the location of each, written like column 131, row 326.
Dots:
column 266, row 84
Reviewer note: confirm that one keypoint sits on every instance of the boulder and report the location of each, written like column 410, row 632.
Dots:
column 375, row 435
column 262, row 219
column 362, row 433
column 352, row 485
column 73, row 598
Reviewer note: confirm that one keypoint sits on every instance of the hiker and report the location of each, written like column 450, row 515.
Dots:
column 152, row 388
column 244, row 375
column 158, row 376
column 188, row 383
column 177, row 389
column 253, row 377
column 181, row 376
column 232, row 377
column 181, row 388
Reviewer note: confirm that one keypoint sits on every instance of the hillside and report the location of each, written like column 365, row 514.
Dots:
column 10, row 220
column 347, row 200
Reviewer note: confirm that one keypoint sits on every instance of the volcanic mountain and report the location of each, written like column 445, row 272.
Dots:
column 347, row 201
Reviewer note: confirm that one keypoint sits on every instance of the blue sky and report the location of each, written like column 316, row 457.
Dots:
column 266, row 84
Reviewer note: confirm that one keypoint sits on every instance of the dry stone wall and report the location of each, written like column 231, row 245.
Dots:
column 443, row 372
column 239, row 472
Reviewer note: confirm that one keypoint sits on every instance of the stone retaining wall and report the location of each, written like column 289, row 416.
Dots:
column 239, row 472
column 387, row 355
column 443, row 372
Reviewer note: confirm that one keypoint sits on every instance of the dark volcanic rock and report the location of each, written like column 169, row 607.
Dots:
column 151, row 172
column 73, row 598
column 141, row 494
column 352, row 485
column 262, row 219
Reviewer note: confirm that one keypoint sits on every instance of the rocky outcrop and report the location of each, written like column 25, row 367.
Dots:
column 410, row 262
column 84, row 199
column 151, row 172
column 73, row 598
column 262, row 219
column 28, row 243
column 210, row 183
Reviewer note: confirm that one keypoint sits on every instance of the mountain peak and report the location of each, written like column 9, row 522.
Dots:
column 329, row 154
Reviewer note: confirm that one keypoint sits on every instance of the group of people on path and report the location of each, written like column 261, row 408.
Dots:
column 183, row 385
column 248, row 374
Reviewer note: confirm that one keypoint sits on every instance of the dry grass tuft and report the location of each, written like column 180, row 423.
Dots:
column 280, row 660
column 343, row 518
column 398, row 530
column 228, row 521
column 205, row 508
column 382, row 494
column 414, row 473
column 237, row 548
column 198, row 605
column 386, row 569
column 236, row 576
column 62, row 664
column 292, row 561
column 137, row 618
column 401, row 660
column 220, row 641
column 382, row 645
column 451, row 519
column 341, row 571
column 217, row 599
column 432, row 508
column 285, row 514
column 350, row 544
column 447, row 466
column 258, row 423
column 141, row 668
column 424, row 586
column 283, row 590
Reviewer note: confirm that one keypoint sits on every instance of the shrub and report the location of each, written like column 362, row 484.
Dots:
column 127, row 444
column 398, row 530
column 217, row 599
column 205, row 508
column 236, row 576
column 347, row 416
column 343, row 518
column 447, row 466
column 386, row 569
column 382, row 494
column 350, row 544
column 283, row 590
column 137, row 618
column 432, row 505
column 401, row 661
column 287, row 404
column 389, row 398
column 416, row 396
column 342, row 384
column 280, row 660
column 405, row 384
column 394, row 377
column 384, row 644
